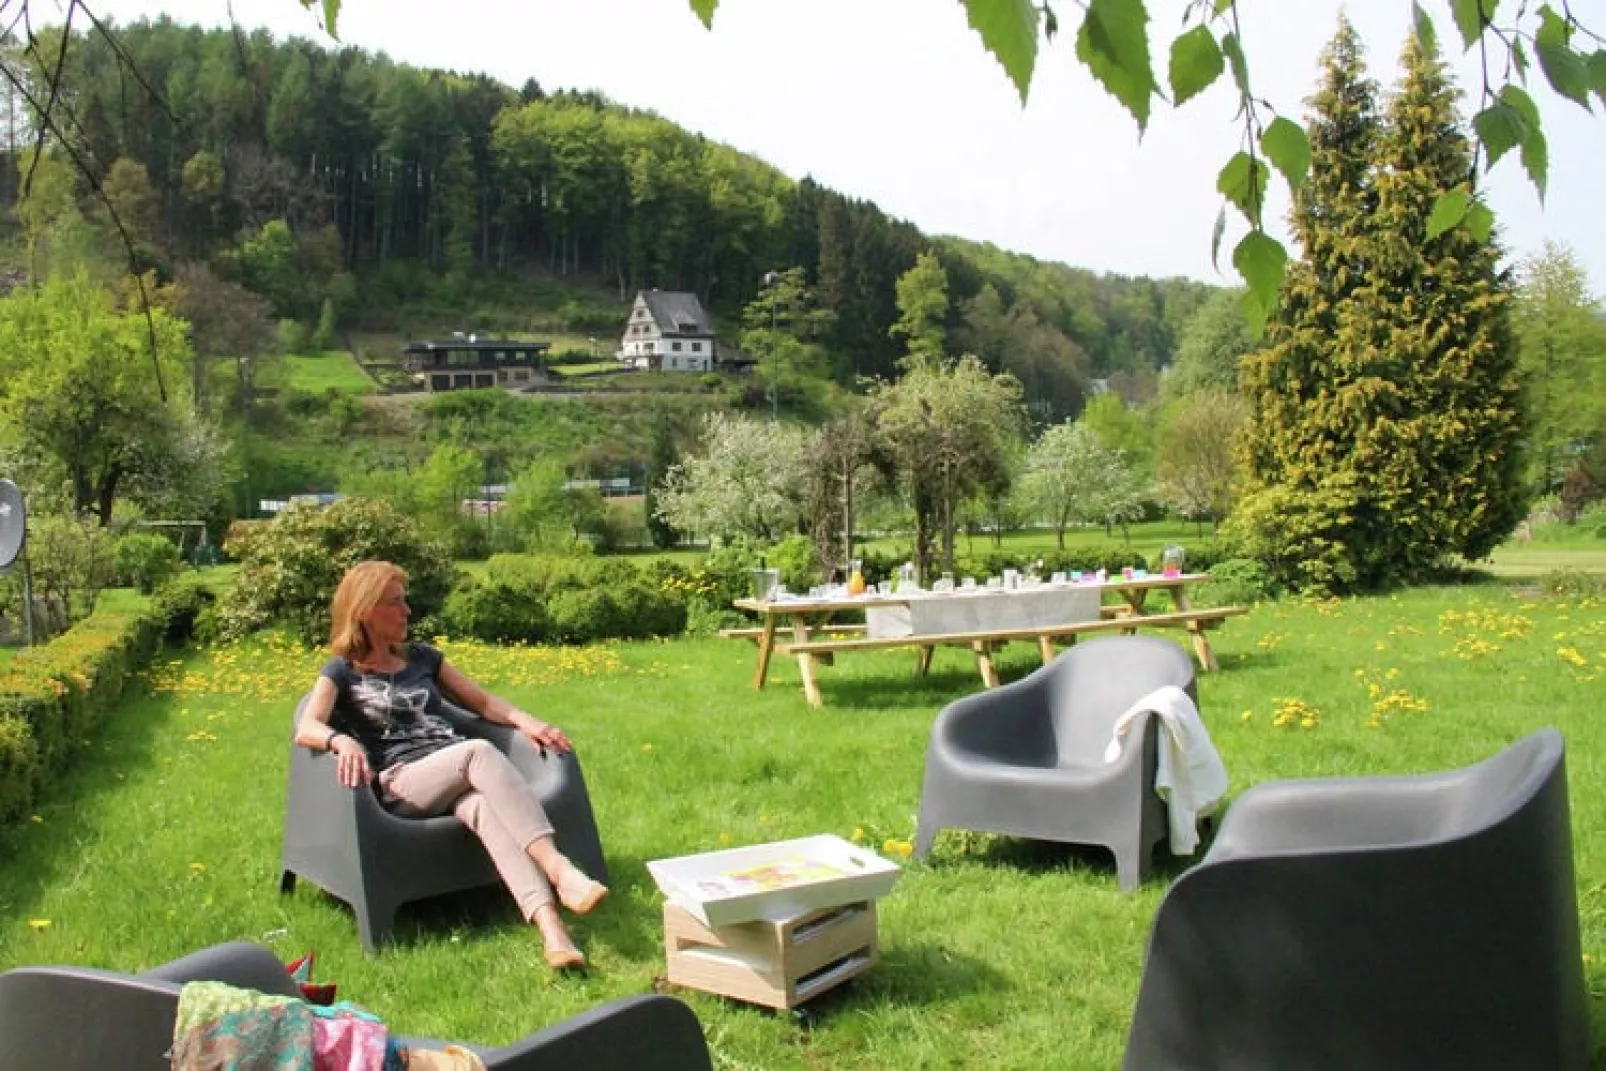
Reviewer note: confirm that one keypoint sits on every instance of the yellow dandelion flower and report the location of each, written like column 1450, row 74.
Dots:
column 39, row 924
column 900, row 848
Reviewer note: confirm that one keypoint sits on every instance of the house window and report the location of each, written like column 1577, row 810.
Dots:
column 646, row 347
column 675, row 346
column 697, row 347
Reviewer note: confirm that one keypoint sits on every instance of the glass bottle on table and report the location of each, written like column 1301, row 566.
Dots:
column 856, row 583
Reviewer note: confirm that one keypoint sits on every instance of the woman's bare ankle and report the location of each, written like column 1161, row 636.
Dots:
column 559, row 946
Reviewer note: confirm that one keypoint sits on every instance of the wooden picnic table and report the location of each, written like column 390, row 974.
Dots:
column 809, row 618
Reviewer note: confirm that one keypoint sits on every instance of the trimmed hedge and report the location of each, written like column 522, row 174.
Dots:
column 52, row 697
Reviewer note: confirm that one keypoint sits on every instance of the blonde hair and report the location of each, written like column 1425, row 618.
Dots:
column 359, row 592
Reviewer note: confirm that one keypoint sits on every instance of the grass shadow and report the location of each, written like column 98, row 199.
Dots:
column 623, row 921
column 918, row 975
column 935, row 689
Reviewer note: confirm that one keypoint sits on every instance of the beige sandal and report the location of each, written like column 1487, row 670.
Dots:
column 579, row 893
column 563, row 959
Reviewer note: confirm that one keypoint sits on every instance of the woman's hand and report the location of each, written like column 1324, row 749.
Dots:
column 351, row 762
column 545, row 736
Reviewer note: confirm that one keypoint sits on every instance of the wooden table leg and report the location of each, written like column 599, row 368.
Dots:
column 923, row 663
column 805, row 662
column 1045, row 647
column 984, row 662
column 1201, row 647
column 1201, row 643
column 766, row 645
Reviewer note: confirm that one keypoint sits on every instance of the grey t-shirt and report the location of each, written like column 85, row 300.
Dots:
column 395, row 716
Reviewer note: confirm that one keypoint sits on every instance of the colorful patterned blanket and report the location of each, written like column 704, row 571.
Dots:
column 224, row 1028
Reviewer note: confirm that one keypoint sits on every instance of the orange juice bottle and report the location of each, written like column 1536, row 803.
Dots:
column 856, row 583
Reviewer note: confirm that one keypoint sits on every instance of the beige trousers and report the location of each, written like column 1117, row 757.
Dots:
column 476, row 782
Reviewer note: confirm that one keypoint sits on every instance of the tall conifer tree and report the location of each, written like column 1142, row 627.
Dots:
column 1386, row 413
column 1300, row 490
column 1442, row 451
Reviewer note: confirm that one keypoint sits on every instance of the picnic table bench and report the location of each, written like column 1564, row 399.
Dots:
column 816, row 639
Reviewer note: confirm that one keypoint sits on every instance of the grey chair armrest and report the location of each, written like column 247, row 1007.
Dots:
column 642, row 1033
column 238, row 963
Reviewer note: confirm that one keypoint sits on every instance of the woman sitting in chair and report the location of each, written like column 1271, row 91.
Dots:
column 376, row 707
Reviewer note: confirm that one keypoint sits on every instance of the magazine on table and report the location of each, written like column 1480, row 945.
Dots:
column 768, row 877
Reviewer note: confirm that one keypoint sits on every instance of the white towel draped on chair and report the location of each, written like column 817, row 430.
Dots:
column 1190, row 775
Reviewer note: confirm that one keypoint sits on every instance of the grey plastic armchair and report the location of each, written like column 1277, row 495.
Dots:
column 83, row 1019
column 1027, row 759
column 1383, row 922
column 345, row 841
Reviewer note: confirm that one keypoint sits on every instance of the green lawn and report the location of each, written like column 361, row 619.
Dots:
column 1536, row 559
column 995, row 954
column 316, row 373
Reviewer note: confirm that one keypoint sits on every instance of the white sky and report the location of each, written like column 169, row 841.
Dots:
column 896, row 101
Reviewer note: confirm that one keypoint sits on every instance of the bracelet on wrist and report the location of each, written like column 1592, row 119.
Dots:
column 329, row 741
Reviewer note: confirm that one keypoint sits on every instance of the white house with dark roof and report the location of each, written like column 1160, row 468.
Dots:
column 668, row 331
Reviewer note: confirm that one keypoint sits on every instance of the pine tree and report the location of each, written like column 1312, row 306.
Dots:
column 1386, row 416
column 1299, row 487
column 1443, row 453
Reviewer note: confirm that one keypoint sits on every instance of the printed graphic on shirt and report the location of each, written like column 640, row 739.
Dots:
column 398, row 711
column 382, row 701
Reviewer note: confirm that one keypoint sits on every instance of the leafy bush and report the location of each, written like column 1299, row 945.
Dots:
column 290, row 568
column 706, row 618
column 500, row 607
column 181, row 602
column 1238, row 582
column 144, row 560
column 293, row 336
column 799, row 562
column 572, row 599
column 71, row 561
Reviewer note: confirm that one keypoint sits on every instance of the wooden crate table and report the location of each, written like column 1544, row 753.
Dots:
column 773, row 924
column 779, row 963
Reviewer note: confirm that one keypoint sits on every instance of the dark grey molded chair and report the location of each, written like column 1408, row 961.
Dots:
column 1027, row 759
column 1381, row 922
column 82, row 1019
column 345, row 842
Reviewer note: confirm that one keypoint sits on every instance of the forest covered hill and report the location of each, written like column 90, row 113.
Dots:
column 340, row 184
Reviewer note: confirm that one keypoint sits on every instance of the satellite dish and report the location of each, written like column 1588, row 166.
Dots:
column 13, row 523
